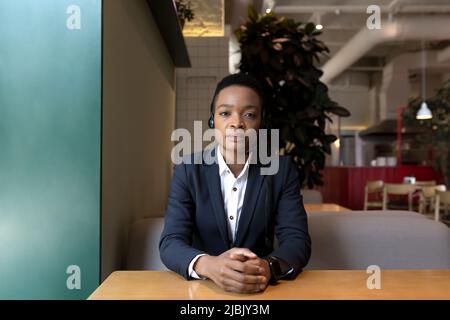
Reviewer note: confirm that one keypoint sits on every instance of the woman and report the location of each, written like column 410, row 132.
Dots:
column 221, row 217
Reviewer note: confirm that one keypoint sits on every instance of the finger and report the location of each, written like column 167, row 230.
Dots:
column 236, row 286
column 243, row 252
column 238, row 257
column 255, row 261
column 245, row 278
column 247, row 268
column 262, row 266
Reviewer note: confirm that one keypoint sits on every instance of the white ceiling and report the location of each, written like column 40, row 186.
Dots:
column 351, row 16
column 342, row 19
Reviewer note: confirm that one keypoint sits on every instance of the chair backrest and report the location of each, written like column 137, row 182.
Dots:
column 143, row 249
column 374, row 186
column 311, row 196
column 430, row 191
column 389, row 239
column 425, row 183
column 348, row 240
column 398, row 189
column 443, row 197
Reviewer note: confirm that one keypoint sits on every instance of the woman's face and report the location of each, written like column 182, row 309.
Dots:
column 237, row 109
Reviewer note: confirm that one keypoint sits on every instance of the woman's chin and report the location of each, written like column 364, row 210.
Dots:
column 235, row 148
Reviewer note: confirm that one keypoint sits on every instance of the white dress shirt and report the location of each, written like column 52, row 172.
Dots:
column 233, row 191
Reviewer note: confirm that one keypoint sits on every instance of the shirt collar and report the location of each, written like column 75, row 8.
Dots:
column 223, row 167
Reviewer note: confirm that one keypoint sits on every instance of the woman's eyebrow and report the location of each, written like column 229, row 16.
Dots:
column 225, row 106
column 231, row 106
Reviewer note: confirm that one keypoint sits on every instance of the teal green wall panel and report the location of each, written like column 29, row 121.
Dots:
column 50, row 148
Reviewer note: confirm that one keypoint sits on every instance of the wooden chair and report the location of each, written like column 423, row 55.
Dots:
column 426, row 183
column 373, row 187
column 397, row 189
column 427, row 197
column 442, row 198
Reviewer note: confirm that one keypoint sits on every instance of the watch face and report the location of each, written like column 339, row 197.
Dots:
column 275, row 268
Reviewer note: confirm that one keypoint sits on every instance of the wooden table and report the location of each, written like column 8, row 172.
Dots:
column 309, row 285
column 324, row 207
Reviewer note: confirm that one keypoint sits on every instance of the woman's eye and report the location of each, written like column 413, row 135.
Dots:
column 250, row 115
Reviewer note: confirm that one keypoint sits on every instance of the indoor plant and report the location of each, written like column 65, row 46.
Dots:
column 184, row 12
column 281, row 54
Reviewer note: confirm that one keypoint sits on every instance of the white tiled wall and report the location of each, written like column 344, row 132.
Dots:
column 196, row 85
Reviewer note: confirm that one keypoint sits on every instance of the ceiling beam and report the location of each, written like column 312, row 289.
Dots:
column 361, row 9
column 429, row 28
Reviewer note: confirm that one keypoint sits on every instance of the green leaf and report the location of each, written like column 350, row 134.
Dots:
column 339, row 111
column 252, row 14
column 309, row 28
column 327, row 148
column 300, row 135
column 329, row 138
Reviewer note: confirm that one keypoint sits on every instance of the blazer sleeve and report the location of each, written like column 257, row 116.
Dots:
column 175, row 245
column 291, row 226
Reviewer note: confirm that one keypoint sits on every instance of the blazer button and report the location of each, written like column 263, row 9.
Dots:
column 231, row 217
column 234, row 188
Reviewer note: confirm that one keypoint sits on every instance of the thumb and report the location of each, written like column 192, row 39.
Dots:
column 240, row 253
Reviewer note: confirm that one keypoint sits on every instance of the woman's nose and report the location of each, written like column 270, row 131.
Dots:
column 236, row 122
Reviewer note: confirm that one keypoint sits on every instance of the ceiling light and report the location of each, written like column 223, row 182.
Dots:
column 316, row 18
column 337, row 143
column 424, row 112
column 268, row 10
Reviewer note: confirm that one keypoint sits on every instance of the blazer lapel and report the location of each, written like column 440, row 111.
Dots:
column 215, row 193
column 254, row 182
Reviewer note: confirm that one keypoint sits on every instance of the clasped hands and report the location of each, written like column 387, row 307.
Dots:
column 236, row 270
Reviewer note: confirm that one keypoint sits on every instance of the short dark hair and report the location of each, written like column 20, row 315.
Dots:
column 239, row 79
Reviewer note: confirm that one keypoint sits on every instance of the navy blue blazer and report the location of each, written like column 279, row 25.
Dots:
column 195, row 220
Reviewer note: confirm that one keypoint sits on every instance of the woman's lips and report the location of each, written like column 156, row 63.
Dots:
column 234, row 138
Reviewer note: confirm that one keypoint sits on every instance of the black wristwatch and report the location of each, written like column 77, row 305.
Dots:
column 275, row 269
